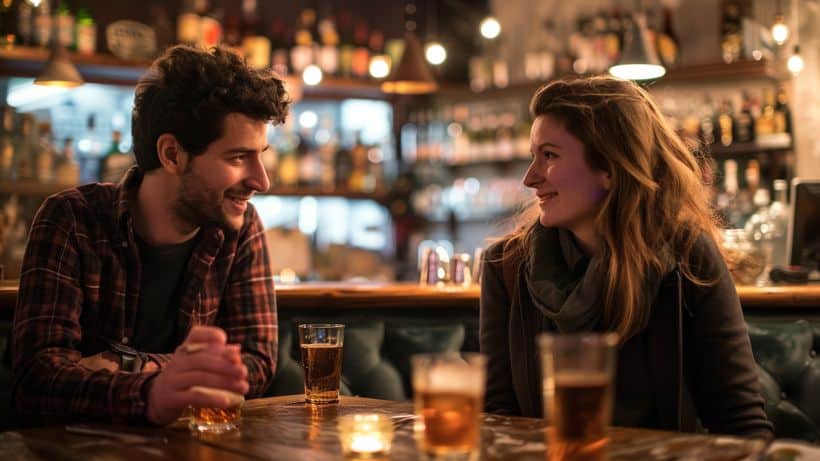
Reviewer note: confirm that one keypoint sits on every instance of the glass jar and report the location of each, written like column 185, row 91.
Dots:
column 746, row 261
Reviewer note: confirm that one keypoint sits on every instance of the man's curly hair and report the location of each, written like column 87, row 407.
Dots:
column 187, row 92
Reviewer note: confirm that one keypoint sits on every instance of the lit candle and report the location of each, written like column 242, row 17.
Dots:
column 365, row 436
column 367, row 444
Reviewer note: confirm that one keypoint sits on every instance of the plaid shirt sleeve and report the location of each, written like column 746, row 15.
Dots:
column 248, row 313
column 48, row 382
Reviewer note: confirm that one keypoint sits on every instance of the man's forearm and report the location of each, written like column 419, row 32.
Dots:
column 51, row 385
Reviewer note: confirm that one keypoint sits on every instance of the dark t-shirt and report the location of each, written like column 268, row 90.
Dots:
column 162, row 271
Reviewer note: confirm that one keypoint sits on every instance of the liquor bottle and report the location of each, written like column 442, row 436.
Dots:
column 42, row 24
column 86, row 32
column 232, row 30
column 65, row 26
column 7, row 118
column 25, row 149
column 726, row 123
column 329, row 52
column 779, row 215
column 89, row 149
column 25, row 23
column 376, row 43
column 707, row 122
column 8, row 24
column 744, row 122
column 301, row 55
column 361, row 54
column 766, row 125
column 732, row 13
column 255, row 46
column 782, row 113
column 188, row 23
column 210, row 24
column 115, row 162
column 727, row 197
column 759, row 231
column 358, row 157
column 667, row 41
column 409, row 139
column 745, row 198
column 279, row 44
column 44, row 156
column 346, row 49
column 66, row 169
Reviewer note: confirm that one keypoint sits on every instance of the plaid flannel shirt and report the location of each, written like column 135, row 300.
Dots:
column 80, row 285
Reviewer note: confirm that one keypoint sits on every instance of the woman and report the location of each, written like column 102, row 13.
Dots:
column 624, row 241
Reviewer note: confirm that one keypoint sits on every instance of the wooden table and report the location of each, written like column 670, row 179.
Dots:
column 284, row 428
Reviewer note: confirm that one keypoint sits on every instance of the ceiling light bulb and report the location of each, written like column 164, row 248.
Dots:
column 435, row 53
column 795, row 63
column 780, row 31
column 490, row 28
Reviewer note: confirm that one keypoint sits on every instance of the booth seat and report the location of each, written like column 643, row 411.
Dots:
column 378, row 344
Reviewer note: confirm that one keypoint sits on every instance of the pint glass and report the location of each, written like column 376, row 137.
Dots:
column 577, row 382
column 448, row 394
column 321, row 347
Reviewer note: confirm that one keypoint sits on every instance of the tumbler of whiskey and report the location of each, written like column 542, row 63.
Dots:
column 216, row 420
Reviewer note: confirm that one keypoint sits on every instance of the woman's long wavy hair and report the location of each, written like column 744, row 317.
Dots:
column 657, row 196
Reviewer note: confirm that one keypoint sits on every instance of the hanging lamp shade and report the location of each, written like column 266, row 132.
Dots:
column 639, row 59
column 412, row 75
column 59, row 70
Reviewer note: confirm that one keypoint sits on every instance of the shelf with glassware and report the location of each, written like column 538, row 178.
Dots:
column 28, row 62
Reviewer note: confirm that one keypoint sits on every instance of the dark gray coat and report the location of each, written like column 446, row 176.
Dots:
column 698, row 355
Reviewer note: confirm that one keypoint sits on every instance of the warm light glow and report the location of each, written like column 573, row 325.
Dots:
column 312, row 75
column 637, row 71
column 780, row 31
column 379, row 66
column 366, row 443
column 490, row 28
column 795, row 63
column 435, row 53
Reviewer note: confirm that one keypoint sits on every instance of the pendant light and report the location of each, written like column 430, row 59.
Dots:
column 59, row 71
column 411, row 75
column 639, row 59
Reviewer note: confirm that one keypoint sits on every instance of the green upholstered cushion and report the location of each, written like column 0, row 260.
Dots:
column 789, row 373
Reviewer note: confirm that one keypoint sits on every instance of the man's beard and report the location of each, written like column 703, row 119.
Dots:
column 199, row 206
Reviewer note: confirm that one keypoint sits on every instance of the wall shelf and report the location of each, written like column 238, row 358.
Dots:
column 681, row 75
column 20, row 61
column 32, row 188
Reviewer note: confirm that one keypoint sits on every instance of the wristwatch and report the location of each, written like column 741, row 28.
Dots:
column 130, row 358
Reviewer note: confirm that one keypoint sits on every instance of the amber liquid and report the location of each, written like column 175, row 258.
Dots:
column 579, row 418
column 323, row 370
column 450, row 421
column 215, row 420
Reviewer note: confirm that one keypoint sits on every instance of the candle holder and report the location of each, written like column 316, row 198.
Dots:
column 365, row 436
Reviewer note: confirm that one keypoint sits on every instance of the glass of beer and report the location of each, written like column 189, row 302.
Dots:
column 216, row 420
column 577, row 378
column 448, row 393
column 321, row 346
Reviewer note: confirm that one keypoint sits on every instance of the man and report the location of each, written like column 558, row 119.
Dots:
column 118, row 281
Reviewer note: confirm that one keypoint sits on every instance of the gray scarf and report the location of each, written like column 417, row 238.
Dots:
column 565, row 285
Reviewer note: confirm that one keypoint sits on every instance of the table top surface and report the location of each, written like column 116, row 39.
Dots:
column 285, row 428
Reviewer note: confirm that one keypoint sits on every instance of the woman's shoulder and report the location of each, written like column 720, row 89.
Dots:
column 705, row 259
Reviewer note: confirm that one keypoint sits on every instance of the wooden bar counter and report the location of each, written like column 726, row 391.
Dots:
column 412, row 296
